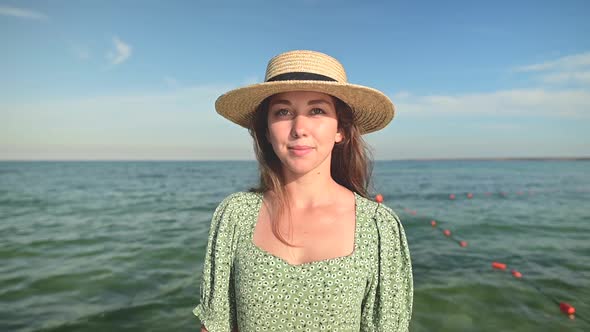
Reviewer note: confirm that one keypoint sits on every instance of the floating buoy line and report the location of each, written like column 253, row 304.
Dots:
column 563, row 306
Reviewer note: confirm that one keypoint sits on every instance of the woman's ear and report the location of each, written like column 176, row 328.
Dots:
column 339, row 137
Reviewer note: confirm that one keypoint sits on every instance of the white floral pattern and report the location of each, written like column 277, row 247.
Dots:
column 245, row 286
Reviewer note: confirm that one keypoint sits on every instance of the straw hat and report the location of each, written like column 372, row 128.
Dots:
column 308, row 71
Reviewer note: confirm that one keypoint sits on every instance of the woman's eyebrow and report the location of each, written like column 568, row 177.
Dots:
column 318, row 101
column 311, row 102
column 280, row 101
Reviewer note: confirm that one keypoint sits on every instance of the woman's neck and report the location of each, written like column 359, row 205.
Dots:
column 311, row 190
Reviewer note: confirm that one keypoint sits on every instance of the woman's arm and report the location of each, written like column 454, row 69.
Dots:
column 217, row 307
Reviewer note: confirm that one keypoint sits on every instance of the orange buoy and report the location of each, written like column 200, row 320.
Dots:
column 463, row 244
column 499, row 266
column 566, row 308
column 469, row 195
column 433, row 223
column 413, row 212
column 452, row 196
column 379, row 198
column 516, row 274
column 447, row 232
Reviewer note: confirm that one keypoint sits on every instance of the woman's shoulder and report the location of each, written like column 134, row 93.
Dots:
column 378, row 211
column 383, row 210
column 232, row 208
column 239, row 198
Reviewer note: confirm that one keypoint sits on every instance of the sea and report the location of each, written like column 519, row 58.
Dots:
column 119, row 245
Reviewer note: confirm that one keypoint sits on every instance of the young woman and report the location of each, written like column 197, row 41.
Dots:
column 306, row 250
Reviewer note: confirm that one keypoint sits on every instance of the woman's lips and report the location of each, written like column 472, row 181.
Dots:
column 300, row 150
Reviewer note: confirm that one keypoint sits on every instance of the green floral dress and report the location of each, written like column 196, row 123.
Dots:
column 246, row 287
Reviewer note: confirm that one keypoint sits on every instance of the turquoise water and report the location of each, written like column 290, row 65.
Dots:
column 97, row 246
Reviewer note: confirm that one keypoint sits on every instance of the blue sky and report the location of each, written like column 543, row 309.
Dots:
column 138, row 79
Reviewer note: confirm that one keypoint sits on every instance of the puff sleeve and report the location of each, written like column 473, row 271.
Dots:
column 387, row 305
column 216, row 309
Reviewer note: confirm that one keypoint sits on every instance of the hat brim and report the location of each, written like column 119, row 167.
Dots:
column 372, row 109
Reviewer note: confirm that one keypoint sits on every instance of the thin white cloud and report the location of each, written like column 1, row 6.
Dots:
column 518, row 102
column 401, row 95
column 121, row 53
column 171, row 82
column 22, row 13
column 572, row 69
column 570, row 62
column 568, row 77
column 81, row 52
column 177, row 124
column 251, row 80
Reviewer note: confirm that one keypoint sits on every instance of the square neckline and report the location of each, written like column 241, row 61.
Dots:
column 256, row 215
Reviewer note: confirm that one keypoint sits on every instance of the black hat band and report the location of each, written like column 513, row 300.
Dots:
column 300, row 76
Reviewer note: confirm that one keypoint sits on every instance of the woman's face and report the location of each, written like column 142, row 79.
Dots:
column 302, row 128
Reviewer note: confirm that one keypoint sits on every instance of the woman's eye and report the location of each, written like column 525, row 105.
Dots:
column 317, row 111
column 282, row 112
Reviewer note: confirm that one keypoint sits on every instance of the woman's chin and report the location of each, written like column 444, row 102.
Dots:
column 300, row 167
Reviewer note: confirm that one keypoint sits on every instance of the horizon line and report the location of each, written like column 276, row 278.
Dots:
column 571, row 158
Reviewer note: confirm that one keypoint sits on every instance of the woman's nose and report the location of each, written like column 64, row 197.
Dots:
column 299, row 126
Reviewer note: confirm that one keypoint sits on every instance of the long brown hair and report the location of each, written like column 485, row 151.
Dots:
column 351, row 162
